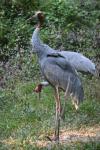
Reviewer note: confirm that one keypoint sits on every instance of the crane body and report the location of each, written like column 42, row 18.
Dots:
column 58, row 72
column 77, row 60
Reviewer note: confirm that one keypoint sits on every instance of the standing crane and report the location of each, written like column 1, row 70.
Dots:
column 77, row 60
column 58, row 72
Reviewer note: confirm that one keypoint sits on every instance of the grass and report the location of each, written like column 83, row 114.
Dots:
column 24, row 118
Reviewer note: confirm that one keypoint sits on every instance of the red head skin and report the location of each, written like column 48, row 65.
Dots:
column 40, row 17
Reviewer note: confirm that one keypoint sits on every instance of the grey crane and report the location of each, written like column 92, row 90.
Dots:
column 60, row 74
column 77, row 60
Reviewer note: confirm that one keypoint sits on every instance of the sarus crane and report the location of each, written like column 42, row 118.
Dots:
column 80, row 62
column 58, row 72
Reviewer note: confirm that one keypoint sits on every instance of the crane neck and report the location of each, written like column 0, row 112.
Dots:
column 38, row 46
column 38, row 25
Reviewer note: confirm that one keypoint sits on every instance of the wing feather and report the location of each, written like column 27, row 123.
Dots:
column 57, row 71
column 60, row 60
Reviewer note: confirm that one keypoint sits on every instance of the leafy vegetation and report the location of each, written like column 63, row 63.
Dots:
column 24, row 119
column 76, row 22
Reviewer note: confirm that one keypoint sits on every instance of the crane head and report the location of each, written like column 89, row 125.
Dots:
column 40, row 18
column 39, row 14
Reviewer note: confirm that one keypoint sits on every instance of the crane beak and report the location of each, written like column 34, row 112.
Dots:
column 31, row 18
column 34, row 16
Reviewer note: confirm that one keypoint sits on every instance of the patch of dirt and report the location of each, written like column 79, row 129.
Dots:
column 73, row 136
column 66, row 137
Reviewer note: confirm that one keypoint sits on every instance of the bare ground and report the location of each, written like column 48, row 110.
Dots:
column 66, row 137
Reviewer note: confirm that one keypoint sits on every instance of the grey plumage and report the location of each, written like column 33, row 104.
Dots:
column 52, row 62
column 77, row 60
column 80, row 62
column 59, row 73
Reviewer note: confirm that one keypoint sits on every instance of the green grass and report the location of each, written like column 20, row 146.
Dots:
column 23, row 116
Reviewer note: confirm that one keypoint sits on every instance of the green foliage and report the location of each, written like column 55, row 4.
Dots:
column 25, row 118
column 76, row 22
column 72, row 25
column 14, row 30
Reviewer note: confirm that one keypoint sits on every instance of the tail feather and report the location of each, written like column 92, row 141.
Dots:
column 77, row 93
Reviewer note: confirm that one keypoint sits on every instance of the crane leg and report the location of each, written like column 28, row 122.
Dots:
column 58, row 112
column 57, row 119
column 66, row 94
column 63, row 108
column 63, row 111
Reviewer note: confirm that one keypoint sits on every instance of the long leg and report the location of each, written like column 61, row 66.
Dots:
column 65, row 97
column 57, row 119
column 58, row 111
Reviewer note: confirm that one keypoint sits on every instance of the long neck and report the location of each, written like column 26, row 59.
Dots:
column 37, row 44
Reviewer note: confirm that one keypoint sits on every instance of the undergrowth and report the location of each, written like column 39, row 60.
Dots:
column 24, row 116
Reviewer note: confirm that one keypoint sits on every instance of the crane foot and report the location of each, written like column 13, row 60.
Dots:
column 56, row 139
column 47, row 137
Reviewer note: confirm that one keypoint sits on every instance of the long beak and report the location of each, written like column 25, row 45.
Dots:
column 31, row 18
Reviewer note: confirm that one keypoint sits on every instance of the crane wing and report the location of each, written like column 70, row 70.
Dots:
column 55, row 55
column 60, row 60
column 57, row 71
